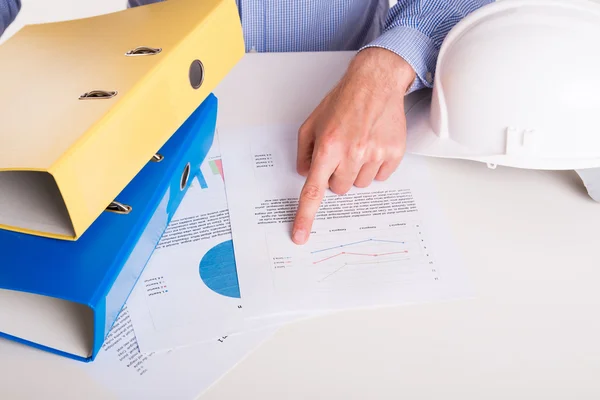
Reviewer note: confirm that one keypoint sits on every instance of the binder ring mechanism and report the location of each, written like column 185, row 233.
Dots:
column 143, row 51
column 157, row 158
column 119, row 208
column 98, row 94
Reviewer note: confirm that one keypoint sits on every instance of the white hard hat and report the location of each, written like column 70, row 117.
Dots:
column 517, row 84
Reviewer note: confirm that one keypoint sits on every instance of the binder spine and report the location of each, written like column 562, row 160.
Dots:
column 169, row 197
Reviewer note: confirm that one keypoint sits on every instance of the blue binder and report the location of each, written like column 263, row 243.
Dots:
column 64, row 296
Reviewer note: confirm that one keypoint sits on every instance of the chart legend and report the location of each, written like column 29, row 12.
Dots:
column 156, row 286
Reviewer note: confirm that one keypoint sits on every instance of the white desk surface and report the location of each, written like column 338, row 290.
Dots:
column 531, row 244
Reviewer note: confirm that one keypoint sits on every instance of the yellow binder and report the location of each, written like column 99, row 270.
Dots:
column 85, row 104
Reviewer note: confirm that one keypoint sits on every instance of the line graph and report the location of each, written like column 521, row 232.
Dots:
column 346, row 264
column 359, row 254
column 353, row 258
column 357, row 260
column 370, row 240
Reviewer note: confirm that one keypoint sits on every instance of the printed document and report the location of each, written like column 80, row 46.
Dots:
column 380, row 246
column 179, row 374
column 188, row 292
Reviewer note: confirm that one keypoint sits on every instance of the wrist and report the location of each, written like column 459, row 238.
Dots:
column 382, row 70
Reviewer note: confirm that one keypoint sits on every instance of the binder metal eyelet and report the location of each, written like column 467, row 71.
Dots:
column 98, row 94
column 157, row 158
column 118, row 208
column 196, row 74
column 185, row 176
column 143, row 51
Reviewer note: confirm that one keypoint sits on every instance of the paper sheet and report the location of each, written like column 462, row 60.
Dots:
column 179, row 374
column 380, row 246
column 188, row 292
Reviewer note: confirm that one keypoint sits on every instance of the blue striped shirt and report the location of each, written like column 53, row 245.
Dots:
column 8, row 12
column 413, row 29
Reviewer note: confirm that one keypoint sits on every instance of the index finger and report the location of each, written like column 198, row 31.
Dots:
column 311, row 196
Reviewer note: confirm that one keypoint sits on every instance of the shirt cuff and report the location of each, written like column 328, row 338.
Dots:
column 138, row 3
column 415, row 48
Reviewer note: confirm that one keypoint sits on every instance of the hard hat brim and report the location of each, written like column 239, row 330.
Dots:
column 422, row 140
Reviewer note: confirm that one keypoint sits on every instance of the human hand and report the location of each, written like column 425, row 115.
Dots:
column 355, row 135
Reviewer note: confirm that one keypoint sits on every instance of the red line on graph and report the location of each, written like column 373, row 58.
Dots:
column 360, row 254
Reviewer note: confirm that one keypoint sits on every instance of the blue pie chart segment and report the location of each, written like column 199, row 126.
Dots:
column 218, row 271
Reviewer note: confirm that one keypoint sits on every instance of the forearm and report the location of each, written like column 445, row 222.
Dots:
column 415, row 30
column 8, row 12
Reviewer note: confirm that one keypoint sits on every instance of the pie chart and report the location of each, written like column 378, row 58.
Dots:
column 218, row 270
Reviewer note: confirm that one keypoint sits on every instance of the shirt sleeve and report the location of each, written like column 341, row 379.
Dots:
column 8, row 12
column 415, row 30
column 137, row 3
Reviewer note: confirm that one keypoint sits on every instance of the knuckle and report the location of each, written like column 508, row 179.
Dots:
column 329, row 141
column 356, row 152
column 326, row 148
column 303, row 130
column 396, row 151
column 311, row 192
column 397, row 154
column 378, row 154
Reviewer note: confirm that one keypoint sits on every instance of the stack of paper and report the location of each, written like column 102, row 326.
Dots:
column 380, row 246
column 226, row 270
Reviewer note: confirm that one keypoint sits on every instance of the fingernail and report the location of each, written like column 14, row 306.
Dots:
column 299, row 236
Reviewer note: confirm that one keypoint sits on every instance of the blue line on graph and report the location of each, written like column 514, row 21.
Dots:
column 353, row 243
